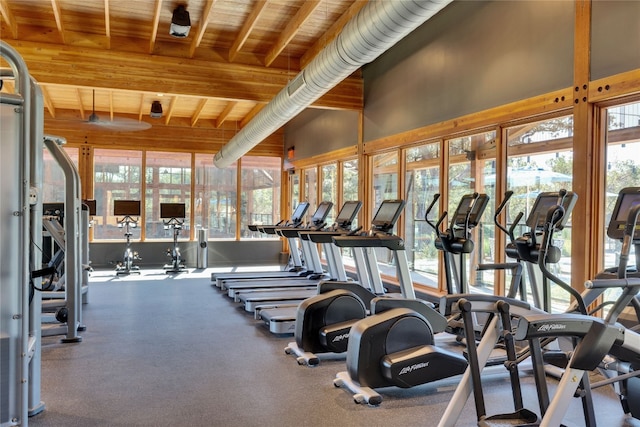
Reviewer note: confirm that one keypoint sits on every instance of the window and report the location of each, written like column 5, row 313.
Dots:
column 422, row 183
column 117, row 176
column 260, row 191
column 53, row 176
column 385, row 187
column 330, row 189
column 540, row 159
column 215, row 197
column 168, row 180
column 311, row 189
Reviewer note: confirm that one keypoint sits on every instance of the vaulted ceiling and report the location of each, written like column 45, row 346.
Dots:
column 115, row 57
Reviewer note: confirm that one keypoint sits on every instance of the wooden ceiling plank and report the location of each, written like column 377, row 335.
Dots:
column 332, row 32
column 225, row 113
column 293, row 26
column 251, row 114
column 9, row 18
column 107, row 23
column 154, row 27
column 57, row 13
column 171, row 109
column 206, row 17
column 47, row 101
column 127, row 71
column 198, row 112
column 247, row 27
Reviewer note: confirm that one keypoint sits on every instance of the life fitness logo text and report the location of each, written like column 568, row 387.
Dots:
column 550, row 327
column 409, row 369
column 340, row 337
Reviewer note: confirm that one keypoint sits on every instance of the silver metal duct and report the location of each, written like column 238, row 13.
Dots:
column 377, row 27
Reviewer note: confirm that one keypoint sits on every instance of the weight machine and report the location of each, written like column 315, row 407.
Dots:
column 173, row 215
column 128, row 209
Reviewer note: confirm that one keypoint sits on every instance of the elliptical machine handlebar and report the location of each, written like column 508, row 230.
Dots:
column 555, row 214
column 627, row 241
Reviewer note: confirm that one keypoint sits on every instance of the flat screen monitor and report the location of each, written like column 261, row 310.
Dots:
column 300, row 212
column 387, row 214
column 126, row 207
column 471, row 205
column 348, row 213
column 627, row 199
column 91, row 206
column 321, row 213
column 546, row 201
column 172, row 210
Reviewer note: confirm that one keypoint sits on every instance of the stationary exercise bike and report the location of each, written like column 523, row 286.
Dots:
column 129, row 209
column 173, row 215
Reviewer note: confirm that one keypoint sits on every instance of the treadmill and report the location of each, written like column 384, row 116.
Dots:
column 346, row 216
column 296, row 220
column 281, row 320
column 233, row 286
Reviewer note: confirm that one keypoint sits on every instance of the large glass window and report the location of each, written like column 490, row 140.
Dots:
column 540, row 159
column 53, row 176
column 350, row 180
column 330, row 189
column 422, row 183
column 311, row 189
column 623, row 166
column 385, row 187
column 117, row 176
column 168, row 180
column 215, row 197
column 260, row 191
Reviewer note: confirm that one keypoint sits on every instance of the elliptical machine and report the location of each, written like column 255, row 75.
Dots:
column 172, row 215
column 128, row 209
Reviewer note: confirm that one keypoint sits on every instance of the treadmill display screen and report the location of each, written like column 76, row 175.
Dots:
column 172, row 210
column 299, row 212
column 388, row 213
column 348, row 212
column 126, row 207
column 321, row 213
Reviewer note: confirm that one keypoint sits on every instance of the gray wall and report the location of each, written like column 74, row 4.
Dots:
column 221, row 253
column 471, row 56
column 316, row 131
column 615, row 41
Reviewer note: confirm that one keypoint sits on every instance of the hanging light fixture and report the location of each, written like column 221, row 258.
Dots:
column 156, row 110
column 180, row 22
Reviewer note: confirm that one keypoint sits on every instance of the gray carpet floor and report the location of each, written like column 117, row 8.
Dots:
column 163, row 350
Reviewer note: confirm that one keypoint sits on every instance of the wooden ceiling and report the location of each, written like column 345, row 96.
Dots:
column 238, row 55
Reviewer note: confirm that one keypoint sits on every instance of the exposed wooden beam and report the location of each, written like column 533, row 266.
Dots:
column 107, row 23
column 47, row 102
column 57, row 13
column 291, row 29
column 196, row 115
column 255, row 110
column 247, row 27
column 141, row 107
column 111, row 104
column 332, row 32
column 170, row 110
column 154, row 26
column 112, row 69
column 80, row 105
column 206, row 17
column 8, row 18
column 225, row 113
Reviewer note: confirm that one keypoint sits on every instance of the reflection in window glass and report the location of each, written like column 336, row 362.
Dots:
column 117, row 176
column 215, row 198
column 260, row 191
column 623, row 169
column 330, row 189
column 53, row 176
column 385, row 187
column 422, row 183
column 540, row 159
column 311, row 190
column 168, row 180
